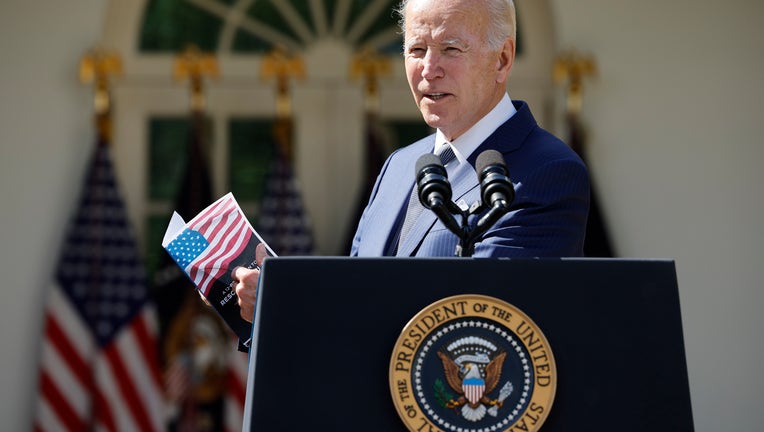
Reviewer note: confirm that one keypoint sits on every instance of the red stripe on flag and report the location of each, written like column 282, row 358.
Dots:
column 60, row 340
column 103, row 413
column 58, row 403
column 222, row 236
column 235, row 398
column 148, row 345
column 207, row 215
column 204, row 221
column 225, row 249
column 235, row 388
column 210, row 231
column 127, row 389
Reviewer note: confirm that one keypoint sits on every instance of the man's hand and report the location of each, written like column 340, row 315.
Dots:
column 246, row 284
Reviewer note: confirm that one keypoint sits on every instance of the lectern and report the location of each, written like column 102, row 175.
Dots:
column 326, row 331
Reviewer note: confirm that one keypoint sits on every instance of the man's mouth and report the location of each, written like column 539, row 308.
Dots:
column 435, row 96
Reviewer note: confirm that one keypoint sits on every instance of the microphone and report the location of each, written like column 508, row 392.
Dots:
column 435, row 190
column 496, row 190
column 495, row 187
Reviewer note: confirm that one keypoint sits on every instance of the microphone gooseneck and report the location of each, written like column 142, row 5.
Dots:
column 496, row 193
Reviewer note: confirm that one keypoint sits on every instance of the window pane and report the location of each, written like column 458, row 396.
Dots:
column 251, row 149
column 171, row 25
column 168, row 143
column 169, row 139
column 155, row 228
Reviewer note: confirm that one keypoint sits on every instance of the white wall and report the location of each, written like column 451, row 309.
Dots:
column 675, row 143
column 45, row 137
column 677, row 140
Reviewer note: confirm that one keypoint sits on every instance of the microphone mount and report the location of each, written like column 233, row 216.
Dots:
column 497, row 193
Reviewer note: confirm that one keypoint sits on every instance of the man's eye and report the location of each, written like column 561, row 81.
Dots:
column 417, row 51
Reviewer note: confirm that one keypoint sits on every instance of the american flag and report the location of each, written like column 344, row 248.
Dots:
column 173, row 288
column 283, row 221
column 236, row 389
column 99, row 367
column 211, row 241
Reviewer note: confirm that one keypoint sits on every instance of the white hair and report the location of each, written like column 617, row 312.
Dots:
column 502, row 21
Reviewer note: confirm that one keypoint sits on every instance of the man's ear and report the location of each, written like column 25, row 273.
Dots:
column 506, row 60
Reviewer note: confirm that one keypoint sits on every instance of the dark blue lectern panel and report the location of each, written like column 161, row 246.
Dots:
column 326, row 328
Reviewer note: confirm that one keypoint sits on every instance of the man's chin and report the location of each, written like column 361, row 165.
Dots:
column 434, row 120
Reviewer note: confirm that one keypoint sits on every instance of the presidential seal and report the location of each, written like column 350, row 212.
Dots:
column 472, row 363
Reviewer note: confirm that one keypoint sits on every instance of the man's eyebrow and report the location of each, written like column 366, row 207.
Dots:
column 454, row 41
column 444, row 42
column 412, row 41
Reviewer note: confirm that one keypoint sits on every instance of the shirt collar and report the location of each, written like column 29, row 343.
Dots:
column 470, row 140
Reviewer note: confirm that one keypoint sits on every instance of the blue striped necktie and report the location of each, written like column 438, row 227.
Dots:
column 415, row 207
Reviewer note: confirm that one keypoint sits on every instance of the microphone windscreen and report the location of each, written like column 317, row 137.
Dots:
column 425, row 160
column 488, row 158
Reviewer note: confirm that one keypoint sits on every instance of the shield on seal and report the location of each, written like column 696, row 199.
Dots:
column 473, row 389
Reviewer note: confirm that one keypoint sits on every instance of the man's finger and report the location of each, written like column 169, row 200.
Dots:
column 260, row 253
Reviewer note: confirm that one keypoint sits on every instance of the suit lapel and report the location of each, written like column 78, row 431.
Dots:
column 506, row 138
column 392, row 197
column 462, row 181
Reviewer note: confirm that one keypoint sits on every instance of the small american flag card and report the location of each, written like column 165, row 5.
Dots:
column 208, row 248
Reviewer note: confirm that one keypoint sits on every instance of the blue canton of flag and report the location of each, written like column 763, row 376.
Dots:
column 187, row 247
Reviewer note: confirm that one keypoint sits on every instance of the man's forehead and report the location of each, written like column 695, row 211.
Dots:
column 443, row 23
column 443, row 34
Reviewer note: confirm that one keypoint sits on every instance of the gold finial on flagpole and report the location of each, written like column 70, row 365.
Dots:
column 370, row 65
column 282, row 65
column 98, row 66
column 195, row 65
column 572, row 67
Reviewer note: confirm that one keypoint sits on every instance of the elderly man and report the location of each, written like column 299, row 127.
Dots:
column 458, row 57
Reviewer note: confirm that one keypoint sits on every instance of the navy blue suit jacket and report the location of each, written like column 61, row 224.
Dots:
column 546, row 219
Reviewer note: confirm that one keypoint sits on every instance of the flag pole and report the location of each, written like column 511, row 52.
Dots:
column 98, row 66
column 282, row 217
column 369, row 66
column 571, row 68
column 194, row 65
column 281, row 66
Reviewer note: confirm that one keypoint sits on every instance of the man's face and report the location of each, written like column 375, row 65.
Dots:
column 454, row 77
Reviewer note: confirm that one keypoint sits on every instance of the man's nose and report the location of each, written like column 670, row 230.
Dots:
column 431, row 65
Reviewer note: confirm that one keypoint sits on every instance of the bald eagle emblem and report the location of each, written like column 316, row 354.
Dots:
column 474, row 376
column 464, row 364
